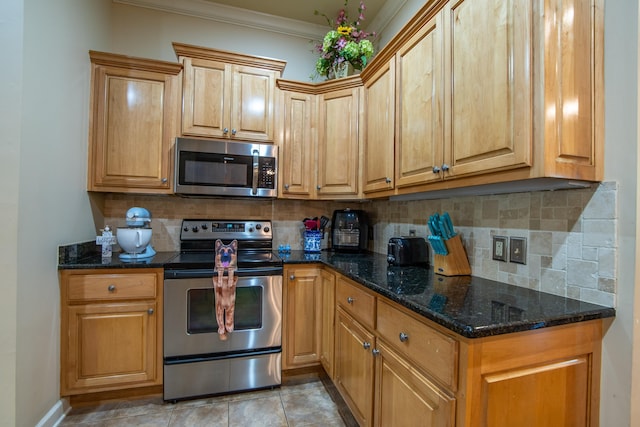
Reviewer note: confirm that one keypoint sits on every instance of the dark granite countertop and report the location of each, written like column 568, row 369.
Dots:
column 469, row 306
column 86, row 255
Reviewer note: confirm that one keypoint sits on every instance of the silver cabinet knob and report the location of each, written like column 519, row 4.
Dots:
column 150, row 311
column 366, row 345
column 164, row 180
column 436, row 169
column 292, row 277
column 111, row 288
column 318, row 187
column 233, row 131
column 286, row 186
column 388, row 180
column 375, row 352
column 225, row 131
column 445, row 167
column 350, row 300
column 403, row 337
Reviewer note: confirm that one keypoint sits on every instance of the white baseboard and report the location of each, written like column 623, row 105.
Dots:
column 56, row 414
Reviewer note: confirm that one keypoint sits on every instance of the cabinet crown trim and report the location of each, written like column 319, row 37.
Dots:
column 135, row 63
column 200, row 52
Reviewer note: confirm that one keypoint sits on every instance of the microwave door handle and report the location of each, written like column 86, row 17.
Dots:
column 254, row 189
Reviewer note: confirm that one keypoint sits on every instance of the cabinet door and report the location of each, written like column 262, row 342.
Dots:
column 380, row 128
column 303, row 317
column 420, row 97
column 354, row 366
column 111, row 346
column 338, row 159
column 490, row 91
column 328, row 283
column 554, row 394
column 206, row 98
column 404, row 396
column 134, row 120
column 298, row 155
column 253, row 104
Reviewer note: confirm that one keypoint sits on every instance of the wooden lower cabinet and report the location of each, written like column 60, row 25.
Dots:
column 354, row 366
column 393, row 367
column 302, row 316
column 406, row 397
column 111, row 330
column 328, row 280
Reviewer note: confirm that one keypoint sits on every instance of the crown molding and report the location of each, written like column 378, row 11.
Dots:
column 234, row 15
column 388, row 11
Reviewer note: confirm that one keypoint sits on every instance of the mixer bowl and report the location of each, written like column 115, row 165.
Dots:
column 133, row 240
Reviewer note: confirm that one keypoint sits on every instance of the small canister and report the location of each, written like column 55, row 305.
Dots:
column 312, row 241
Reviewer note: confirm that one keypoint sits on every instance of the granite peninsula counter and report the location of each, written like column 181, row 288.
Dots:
column 470, row 306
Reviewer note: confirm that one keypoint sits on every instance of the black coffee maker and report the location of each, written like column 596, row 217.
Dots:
column 349, row 230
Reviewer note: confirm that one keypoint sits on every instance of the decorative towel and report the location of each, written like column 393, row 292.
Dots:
column 225, row 286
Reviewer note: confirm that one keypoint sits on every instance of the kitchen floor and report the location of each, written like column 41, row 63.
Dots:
column 298, row 402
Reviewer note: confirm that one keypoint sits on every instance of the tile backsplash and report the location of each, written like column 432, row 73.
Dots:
column 570, row 234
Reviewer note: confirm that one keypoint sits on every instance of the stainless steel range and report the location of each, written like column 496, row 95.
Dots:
column 196, row 361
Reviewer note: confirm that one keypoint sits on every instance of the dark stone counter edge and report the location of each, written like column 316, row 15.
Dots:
column 464, row 329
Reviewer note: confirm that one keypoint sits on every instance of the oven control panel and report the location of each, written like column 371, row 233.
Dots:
column 207, row 229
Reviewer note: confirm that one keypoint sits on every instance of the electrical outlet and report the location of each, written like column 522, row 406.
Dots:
column 500, row 248
column 518, row 253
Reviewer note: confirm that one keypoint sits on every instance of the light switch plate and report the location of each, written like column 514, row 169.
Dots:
column 518, row 250
column 500, row 248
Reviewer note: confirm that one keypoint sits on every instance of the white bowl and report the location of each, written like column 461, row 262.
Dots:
column 133, row 240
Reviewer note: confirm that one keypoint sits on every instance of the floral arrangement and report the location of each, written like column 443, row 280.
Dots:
column 346, row 43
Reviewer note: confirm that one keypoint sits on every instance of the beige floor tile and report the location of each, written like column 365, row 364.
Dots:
column 260, row 412
column 212, row 415
column 311, row 407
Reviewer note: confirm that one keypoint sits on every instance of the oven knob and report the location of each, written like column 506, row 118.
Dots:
column 266, row 229
column 194, row 229
column 251, row 229
column 204, row 226
column 258, row 226
column 186, row 229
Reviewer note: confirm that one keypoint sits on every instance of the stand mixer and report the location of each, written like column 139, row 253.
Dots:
column 135, row 239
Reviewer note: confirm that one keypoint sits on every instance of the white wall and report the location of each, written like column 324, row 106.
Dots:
column 621, row 103
column 53, row 206
column 10, row 102
column 149, row 33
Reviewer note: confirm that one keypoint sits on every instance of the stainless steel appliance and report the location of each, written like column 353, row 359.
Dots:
column 349, row 230
column 196, row 361
column 208, row 167
column 403, row 251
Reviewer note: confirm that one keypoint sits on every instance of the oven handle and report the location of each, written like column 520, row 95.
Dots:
column 208, row 272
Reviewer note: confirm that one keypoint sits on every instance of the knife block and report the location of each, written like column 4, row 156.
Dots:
column 455, row 263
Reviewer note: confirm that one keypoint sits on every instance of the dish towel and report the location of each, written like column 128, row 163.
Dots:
column 225, row 286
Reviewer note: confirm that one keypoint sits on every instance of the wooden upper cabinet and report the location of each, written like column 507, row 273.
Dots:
column 419, row 74
column 299, row 149
column 378, row 168
column 491, row 100
column 133, row 121
column 228, row 95
column 338, row 143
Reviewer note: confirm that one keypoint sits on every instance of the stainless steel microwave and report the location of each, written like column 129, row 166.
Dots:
column 208, row 167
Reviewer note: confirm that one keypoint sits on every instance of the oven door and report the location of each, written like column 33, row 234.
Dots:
column 190, row 327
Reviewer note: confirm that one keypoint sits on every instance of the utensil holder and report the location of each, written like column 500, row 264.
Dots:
column 455, row 263
column 312, row 241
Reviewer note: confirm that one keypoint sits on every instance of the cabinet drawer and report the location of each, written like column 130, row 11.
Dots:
column 430, row 350
column 356, row 301
column 111, row 286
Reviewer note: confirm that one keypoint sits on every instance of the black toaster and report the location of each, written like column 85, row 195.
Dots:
column 405, row 251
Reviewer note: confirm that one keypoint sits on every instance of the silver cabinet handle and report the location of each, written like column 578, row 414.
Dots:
column 164, row 180
column 292, row 277
column 445, row 167
column 111, row 288
column 286, row 186
column 318, row 187
column 388, row 180
column 375, row 352
column 225, row 131
column 233, row 131
column 403, row 337
column 366, row 345
column 350, row 300
column 436, row 169
column 150, row 311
